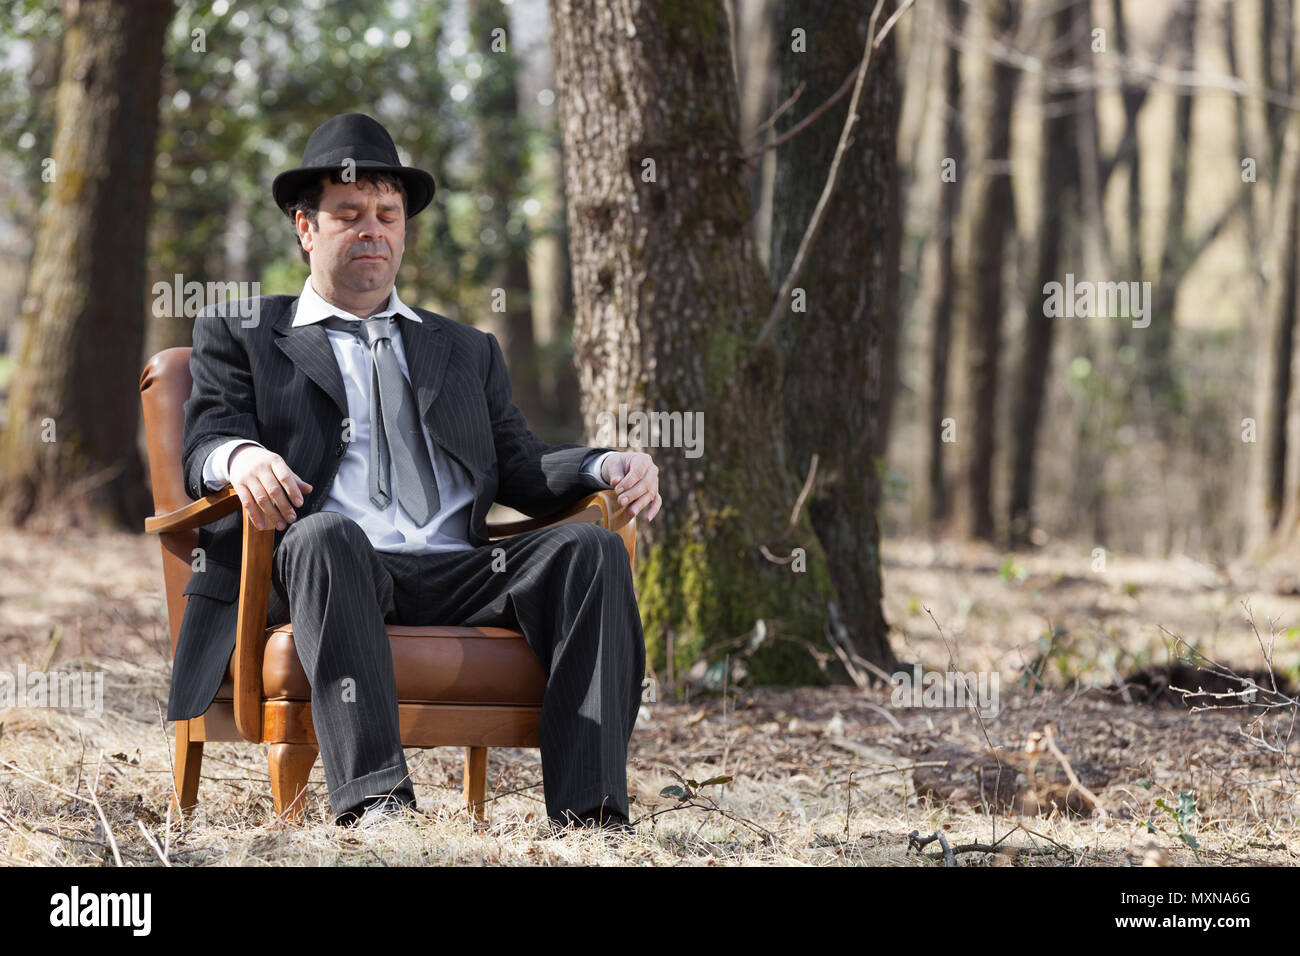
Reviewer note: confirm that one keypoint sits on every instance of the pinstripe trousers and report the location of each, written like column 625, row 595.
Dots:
column 567, row 588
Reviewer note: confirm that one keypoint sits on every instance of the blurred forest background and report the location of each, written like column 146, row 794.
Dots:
column 999, row 146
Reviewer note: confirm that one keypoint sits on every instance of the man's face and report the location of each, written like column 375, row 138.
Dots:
column 359, row 237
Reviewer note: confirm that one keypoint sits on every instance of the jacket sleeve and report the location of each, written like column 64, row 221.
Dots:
column 534, row 477
column 222, row 405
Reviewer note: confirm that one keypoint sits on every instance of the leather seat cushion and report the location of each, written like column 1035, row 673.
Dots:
column 444, row 665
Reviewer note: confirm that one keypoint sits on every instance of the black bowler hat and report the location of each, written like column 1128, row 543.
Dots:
column 363, row 140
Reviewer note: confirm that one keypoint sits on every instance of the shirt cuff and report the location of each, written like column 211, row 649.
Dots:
column 216, row 467
column 594, row 464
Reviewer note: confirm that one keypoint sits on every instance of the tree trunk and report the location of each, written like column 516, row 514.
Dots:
column 946, row 278
column 1250, row 215
column 70, row 441
column 838, row 353
column 503, row 151
column 1174, row 260
column 992, row 225
column 1276, row 475
column 1273, row 383
column 565, row 395
column 1277, row 66
column 1058, row 192
column 670, row 295
column 1133, row 97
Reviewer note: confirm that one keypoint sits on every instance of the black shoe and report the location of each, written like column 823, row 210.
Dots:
column 379, row 811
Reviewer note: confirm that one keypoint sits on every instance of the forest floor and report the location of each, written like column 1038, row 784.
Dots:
column 818, row 776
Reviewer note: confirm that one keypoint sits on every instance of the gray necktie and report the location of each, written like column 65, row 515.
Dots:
column 394, row 426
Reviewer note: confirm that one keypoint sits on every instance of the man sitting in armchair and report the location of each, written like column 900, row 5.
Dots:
column 374, row 437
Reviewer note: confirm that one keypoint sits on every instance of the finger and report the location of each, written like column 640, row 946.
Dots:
column 630, row 494
column 648, row 482
column 654, row 508
column 282, row 507
column 634, row 473
column 617, row 470
column 303, row 485
column 250, row 506
column 642, row 501
column 257, row 484
column 633, row 484
column 289, row 482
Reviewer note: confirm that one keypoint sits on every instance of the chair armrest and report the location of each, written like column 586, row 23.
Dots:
column 250, row 629
column 600, row 508
column 196, row 514
column 254, row 594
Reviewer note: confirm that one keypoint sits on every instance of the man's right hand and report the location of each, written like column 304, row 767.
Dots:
column 267, row 486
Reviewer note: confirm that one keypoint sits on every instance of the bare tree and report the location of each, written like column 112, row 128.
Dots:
column 74, row 406
column 946, row 271
column 993, row 223
column 503, row 146
column 839, row 354
column 1058, row 206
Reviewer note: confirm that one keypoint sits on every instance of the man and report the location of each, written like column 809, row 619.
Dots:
column 374, row 437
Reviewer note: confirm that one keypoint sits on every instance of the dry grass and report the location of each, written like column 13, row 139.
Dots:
column 818, row 776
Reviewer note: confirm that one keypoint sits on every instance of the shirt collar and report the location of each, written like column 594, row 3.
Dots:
column 312, row 308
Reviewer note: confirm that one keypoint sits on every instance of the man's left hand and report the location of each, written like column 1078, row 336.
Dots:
column 635, row 476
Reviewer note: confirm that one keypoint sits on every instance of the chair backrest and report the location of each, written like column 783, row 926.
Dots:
column 165, row 386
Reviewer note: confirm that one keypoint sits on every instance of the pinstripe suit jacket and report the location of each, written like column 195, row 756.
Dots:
column 255, row 376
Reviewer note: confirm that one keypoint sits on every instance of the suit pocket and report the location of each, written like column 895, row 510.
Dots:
column 215, row 581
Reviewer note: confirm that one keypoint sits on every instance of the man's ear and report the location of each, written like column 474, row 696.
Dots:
column 303, row 225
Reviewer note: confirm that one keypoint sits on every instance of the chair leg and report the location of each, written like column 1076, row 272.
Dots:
column 475, row 780
column 290, row 766
column 187, row 763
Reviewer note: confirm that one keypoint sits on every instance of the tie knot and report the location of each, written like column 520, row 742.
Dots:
column 368, row 330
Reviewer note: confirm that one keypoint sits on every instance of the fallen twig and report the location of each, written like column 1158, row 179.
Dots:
column 108, row 832
column 1069, row 772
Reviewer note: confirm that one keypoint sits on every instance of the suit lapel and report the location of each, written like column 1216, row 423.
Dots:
column 427, row 351
column 308, row 347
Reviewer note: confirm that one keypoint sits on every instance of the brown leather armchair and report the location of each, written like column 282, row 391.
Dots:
column 473, row 687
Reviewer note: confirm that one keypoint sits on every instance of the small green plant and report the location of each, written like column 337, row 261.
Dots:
column 1012, row 570
column 1183, row 816
column 1056, row 652
column 690, row 789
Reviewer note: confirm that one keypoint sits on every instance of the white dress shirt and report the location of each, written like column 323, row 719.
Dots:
column 390, row 528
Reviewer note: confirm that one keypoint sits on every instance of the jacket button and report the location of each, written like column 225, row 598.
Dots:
column 338, row 449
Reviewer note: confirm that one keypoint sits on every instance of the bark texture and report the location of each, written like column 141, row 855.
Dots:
column 839, row 354
column 670, row 294
column 70, row 442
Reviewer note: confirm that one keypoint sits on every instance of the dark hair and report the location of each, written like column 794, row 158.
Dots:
column 308, row 201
